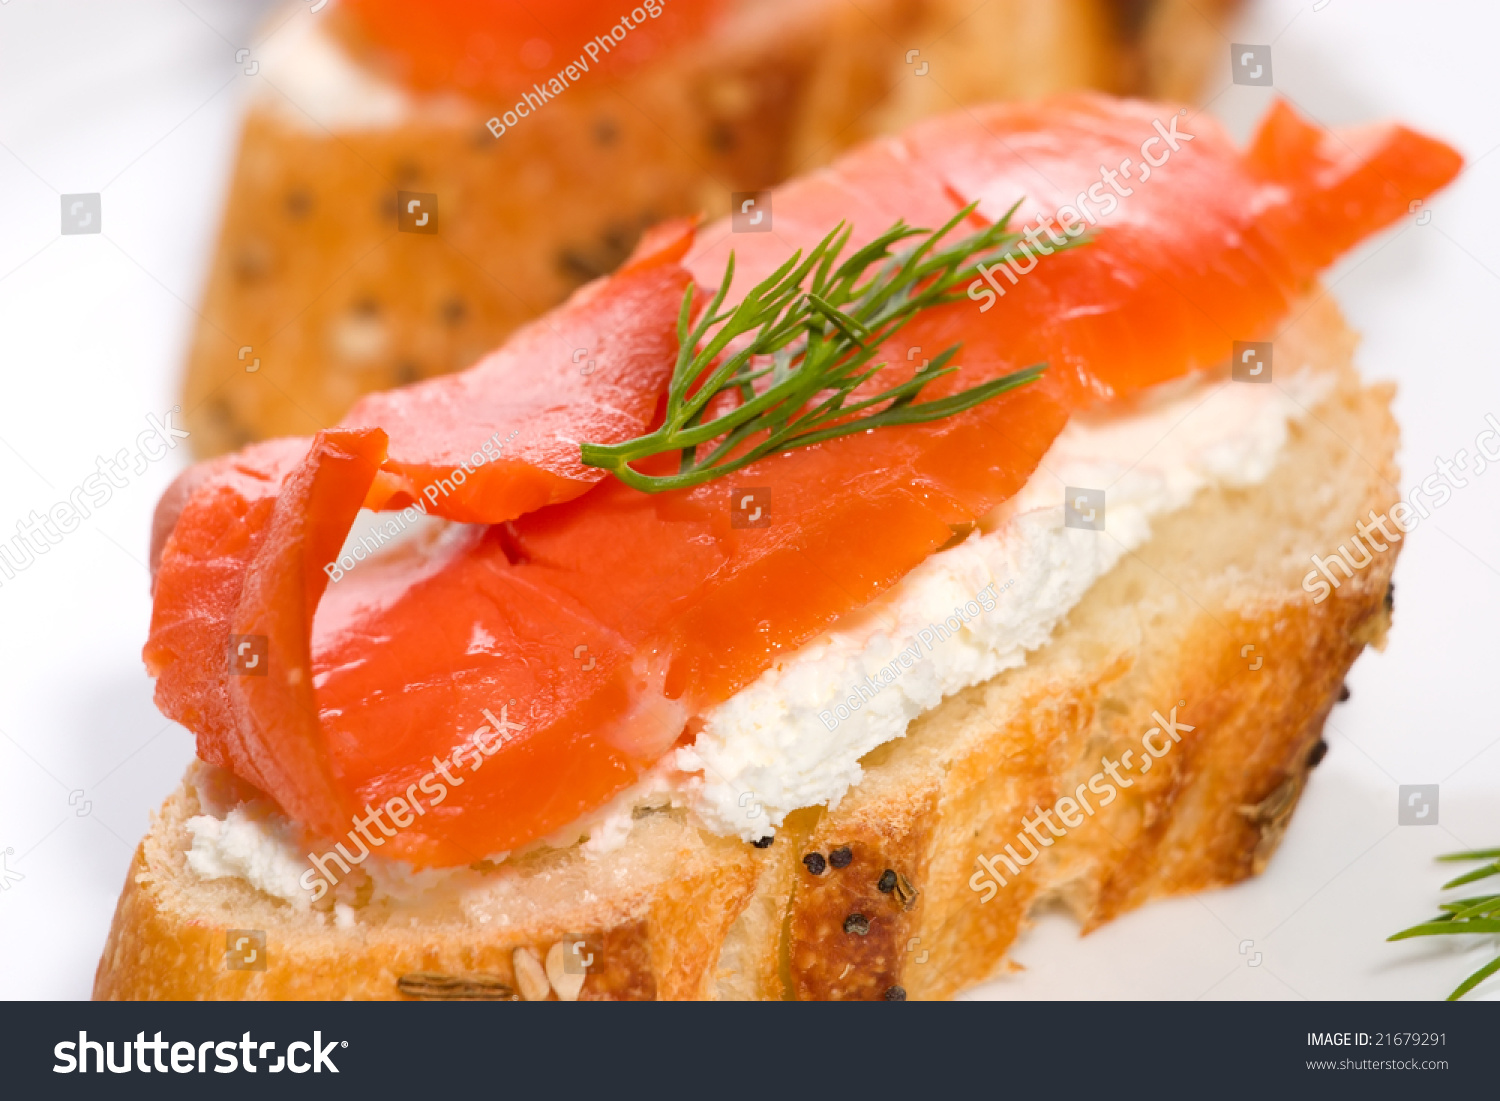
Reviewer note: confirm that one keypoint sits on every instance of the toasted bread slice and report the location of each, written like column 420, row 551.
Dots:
column 680, row 913
column 314, row 298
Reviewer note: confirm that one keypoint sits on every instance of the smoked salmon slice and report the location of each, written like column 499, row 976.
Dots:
column 502, row 438
column 530, row 667
column 491, row 48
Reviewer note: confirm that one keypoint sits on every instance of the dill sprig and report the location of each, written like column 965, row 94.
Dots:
column 810, row 331
column 1472, row 916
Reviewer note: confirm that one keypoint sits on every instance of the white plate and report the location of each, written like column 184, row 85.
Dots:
column 140, row 102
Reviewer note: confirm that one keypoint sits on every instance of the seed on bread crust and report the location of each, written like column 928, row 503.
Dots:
column 764, row 842
column 887, row 882
column 531, row 976
column 857, row 924
column 815, row 863
column 905, row 892
column 567, row 984
column 841, row 857
column 434, row 985
column 895, row 994
column 1319, row 751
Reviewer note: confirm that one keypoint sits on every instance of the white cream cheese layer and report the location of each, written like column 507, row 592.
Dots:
column 309, row 81
column 794, row 737
column 251, row 842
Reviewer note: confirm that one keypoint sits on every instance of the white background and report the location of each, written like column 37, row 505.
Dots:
column 141, row 101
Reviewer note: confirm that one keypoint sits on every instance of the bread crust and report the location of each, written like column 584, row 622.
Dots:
column 1254, row 674
column 659, row 944
column 1209, row 815
column 1209, row 617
